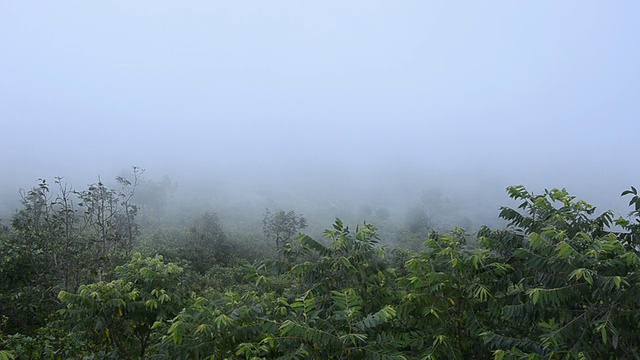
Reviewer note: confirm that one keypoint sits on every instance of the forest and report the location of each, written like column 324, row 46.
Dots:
column 94, row 274
column 325, row 180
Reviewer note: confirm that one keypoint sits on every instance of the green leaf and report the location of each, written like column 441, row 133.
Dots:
column 6, row 355
column 222, row 320
column 582, row 273
column 151, row 304
column 203, row 328
column 482, row 293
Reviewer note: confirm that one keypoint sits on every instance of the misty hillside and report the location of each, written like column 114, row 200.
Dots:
column 330, row 180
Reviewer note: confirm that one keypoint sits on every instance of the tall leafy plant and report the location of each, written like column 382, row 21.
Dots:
column 576, row 293
column 120, row 317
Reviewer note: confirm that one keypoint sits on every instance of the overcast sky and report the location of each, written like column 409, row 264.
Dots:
column 542, row 92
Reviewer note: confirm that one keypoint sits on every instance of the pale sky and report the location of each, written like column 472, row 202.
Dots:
column 546, row 92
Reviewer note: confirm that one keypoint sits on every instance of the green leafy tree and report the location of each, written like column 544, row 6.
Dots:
column 555, row 208
column 39, row 256
column 49, row 342
column 109, row 221
column 348, row 297
column 631, row 224
column 222, row 325
column 336, row 310
column 120, row 317
column 53, row 247
column 575, row 293
column 352, row 260
column 451, row 293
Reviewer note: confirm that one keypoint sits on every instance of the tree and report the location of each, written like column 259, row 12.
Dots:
column 450, row 297
column 338, row 310
column 38, row 257
column 120, row 317
column 206, row 243
column 55, row 247
column 109, row 221
column 631, row 225
column 152, row 199
column 574, row 291
column 282, row 226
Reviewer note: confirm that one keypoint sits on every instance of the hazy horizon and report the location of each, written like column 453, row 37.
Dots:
column 326, row 100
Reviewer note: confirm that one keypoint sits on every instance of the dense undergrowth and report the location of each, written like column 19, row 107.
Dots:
column 560, row 282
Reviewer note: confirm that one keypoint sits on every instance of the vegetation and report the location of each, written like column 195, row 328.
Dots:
column 79, row 279
column 281, row 226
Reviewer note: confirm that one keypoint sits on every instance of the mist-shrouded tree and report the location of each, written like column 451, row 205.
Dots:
column 151, row 197
column 418, row 221
column 39, row 257
column 281, row 226
column 109, row 219
column 53, row 245
column 206, row 243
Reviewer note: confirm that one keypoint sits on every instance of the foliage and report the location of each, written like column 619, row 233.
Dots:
column 37, row 257
column 561, row 282
column 334, row 318
column 575, row 294
column 109, row 221
column 167, row 242
column 352, row 261
column 206, row 243
column 450, row 293
column 151, row 197
column 50, row 342
column 554, row 208
column 281, row 226
column 418, row 220
column 120, row 317
column 631, row 224
column 54, row 246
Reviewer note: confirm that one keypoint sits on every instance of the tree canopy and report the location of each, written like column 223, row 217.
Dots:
column 559, row 282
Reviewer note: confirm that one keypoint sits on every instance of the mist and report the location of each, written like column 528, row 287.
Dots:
column 332, row 109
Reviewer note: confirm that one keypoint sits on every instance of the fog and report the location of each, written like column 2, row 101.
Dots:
column 329, row 108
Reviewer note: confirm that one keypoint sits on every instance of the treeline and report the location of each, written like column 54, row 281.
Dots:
column 560, row 282
column 62, row 238
column 59, row 239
